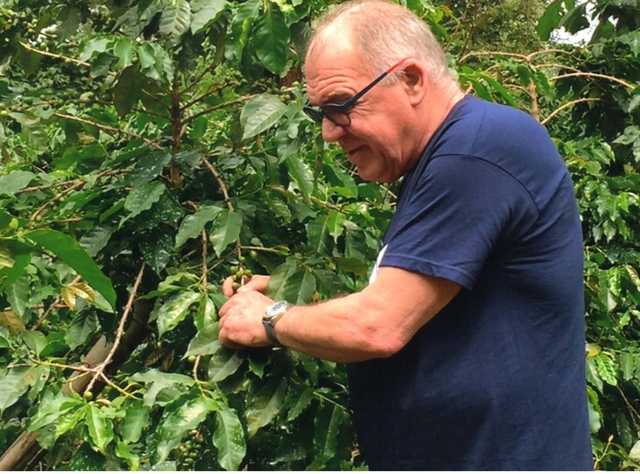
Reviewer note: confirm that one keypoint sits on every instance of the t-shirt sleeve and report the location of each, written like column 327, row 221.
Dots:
column 462, row 211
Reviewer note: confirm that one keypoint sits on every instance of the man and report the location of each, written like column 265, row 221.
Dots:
column 466, row 350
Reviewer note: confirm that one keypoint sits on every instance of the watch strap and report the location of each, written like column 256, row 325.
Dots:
column 271, row 332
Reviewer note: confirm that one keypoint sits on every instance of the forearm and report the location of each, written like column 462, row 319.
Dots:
column 344, row 329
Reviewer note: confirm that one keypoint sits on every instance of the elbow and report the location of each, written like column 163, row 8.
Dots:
column 385, row 346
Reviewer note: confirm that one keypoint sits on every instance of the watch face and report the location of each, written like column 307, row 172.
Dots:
column 276, row 309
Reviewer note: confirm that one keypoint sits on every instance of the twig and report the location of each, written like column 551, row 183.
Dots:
column 492, row 53
column 265, row 249
column 108, row 128
column 568, row 104
column 604, row 453
column 219, row 106
column 99, row 370
column 634, row 414
column 36, row 215
column 52, row 306
column 593, row 74
column 223, row 186
column 201, row 97
column 205, row 270
column 121, row 390
column 546, row 51
column 55, row 56
column 558, row 66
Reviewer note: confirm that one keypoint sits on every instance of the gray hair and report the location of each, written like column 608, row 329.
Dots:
column 385, row 33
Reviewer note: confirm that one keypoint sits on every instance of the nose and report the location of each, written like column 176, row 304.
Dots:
column 331, row 132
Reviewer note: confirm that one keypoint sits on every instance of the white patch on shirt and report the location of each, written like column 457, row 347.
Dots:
column 374, row 272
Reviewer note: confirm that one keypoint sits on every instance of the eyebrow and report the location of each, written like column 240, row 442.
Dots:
column 337, row 97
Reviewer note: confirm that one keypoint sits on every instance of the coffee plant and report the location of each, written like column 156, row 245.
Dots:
column 149, row 149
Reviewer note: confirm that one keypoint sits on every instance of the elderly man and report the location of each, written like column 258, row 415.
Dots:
column 466, row 350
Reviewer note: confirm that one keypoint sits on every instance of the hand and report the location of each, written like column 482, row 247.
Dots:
column 241, row 320
column 255, row 283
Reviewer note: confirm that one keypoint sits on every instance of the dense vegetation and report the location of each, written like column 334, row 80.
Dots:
column 151, row 148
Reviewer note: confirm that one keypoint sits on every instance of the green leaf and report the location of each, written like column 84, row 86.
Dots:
column 100, row 427
column 223, row 363
column 135, row 421
column 14, row 384
column 226, row 230
column 15, row 181
column 328, row 423
column 271, row 40
column 51, row 408
column 261, row 113
column 124, row 452
column 149, row 167
column 156, row 249
column 550, row 19
column 318, row 235
column 18, row 295
column 69, row 251
column 303, row 401
column 206, row 315
column 301, row 174
column 96, row 239
column 127, row 90
column 265, row 405
column 335, row 223
column 142, row 197
column 35, row 340
column 81, row 328
column 175, row 310
column 229, row 440
column 185, row 418
column 159, row 381
column 204, row 343
column 176, row 18
column 291, row 283
column 193, row 224
column 204, row 11
column 124, row 51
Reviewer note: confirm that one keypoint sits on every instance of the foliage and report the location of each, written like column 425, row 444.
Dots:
column 168, row 135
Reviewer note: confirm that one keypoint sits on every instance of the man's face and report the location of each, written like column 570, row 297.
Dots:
column 376, row 141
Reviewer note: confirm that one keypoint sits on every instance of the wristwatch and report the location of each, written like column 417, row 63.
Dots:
column 271, row 316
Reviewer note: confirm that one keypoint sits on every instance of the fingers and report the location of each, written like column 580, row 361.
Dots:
column 227, row 287
column 256, row 283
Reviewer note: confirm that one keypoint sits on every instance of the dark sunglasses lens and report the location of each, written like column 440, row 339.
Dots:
column 338, row 117
column 314, row 114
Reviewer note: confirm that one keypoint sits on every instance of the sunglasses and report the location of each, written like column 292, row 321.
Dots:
column 338, row 113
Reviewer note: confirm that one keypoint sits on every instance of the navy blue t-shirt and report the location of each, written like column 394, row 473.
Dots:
column 496, row 380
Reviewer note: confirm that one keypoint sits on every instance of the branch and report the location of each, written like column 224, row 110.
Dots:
column 593, row 74
column 535, row 107
column 558, row 66
column 99, row 370
column 492, row 53
column 525, row 57
column 220, row 182
column 568, row 104
column 546, row 51
column 108, row 128
column 55, row 56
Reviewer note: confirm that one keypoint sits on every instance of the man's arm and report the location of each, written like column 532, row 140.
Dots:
column 375, row 322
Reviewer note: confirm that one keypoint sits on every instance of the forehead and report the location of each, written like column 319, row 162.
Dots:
column 333, row 68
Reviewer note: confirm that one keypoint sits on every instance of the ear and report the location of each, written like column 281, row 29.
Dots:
column 414, row 81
